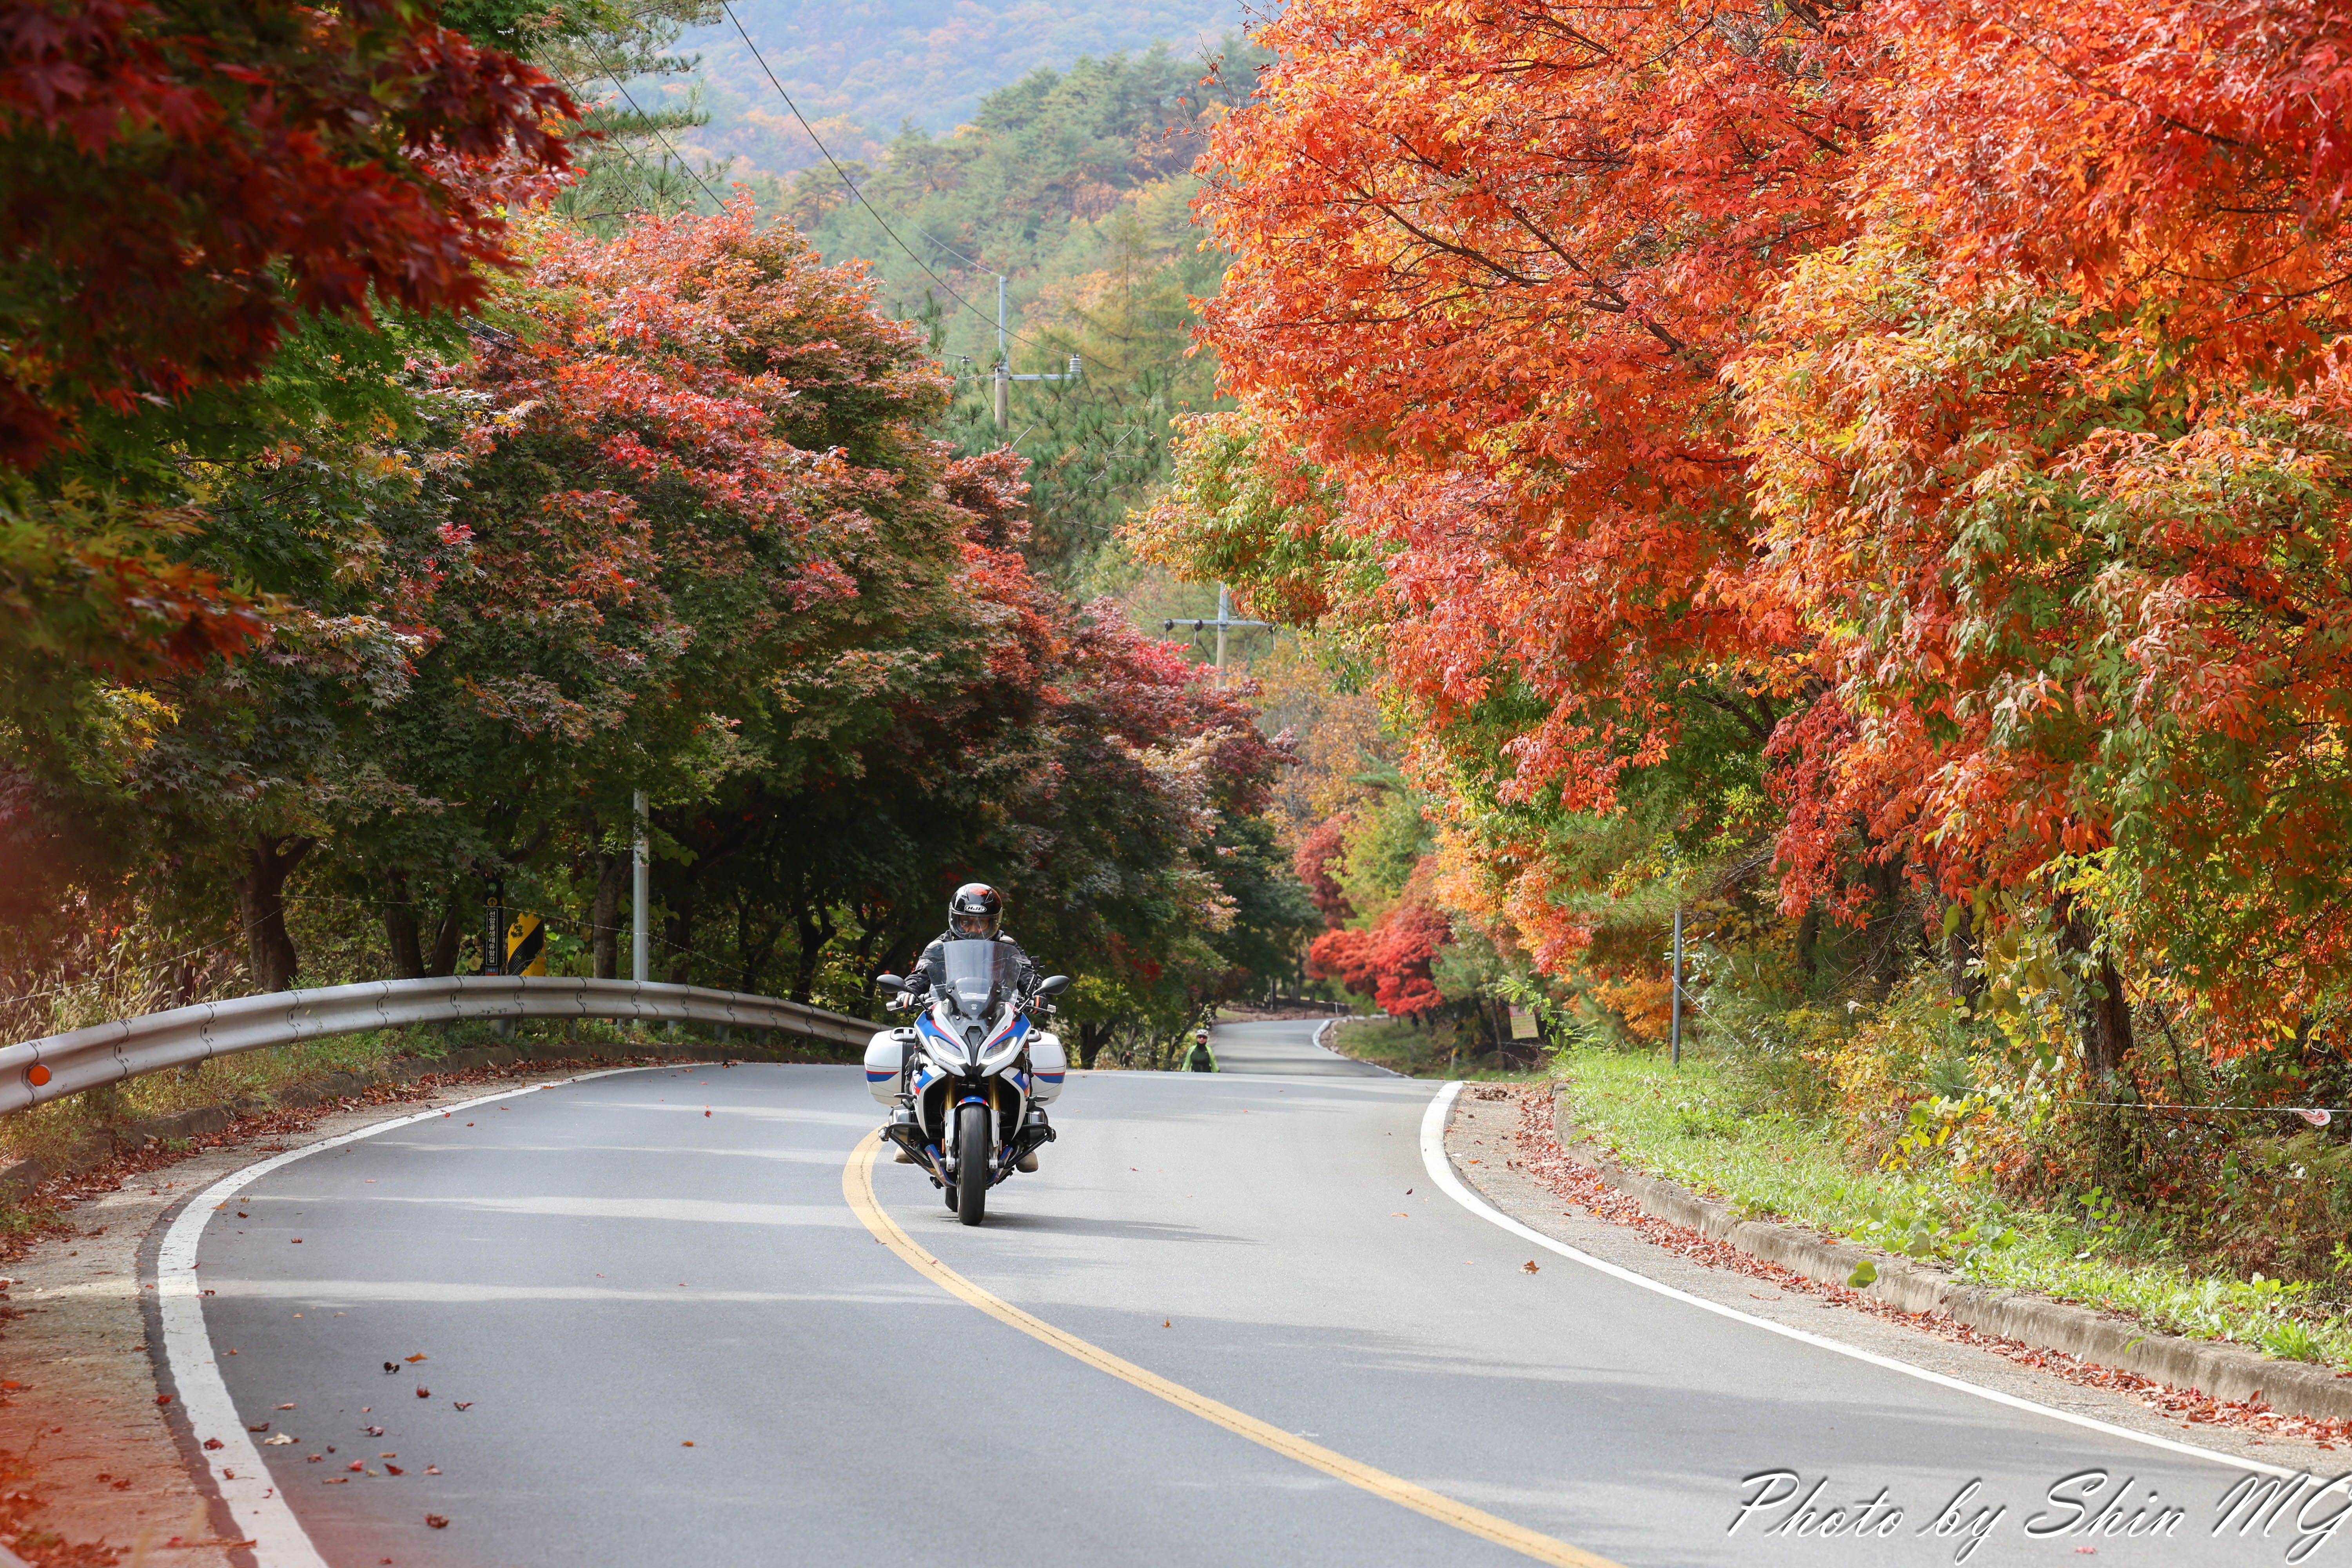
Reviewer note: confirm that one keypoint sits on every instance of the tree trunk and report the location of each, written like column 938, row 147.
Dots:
column 1886, row 940
column 399, row 930
column 1960, row 961
column 604, row 914
column 2106, row 1014
column 1092, row 1037
column 261, row 907
column 817, row 929
column 446, row 936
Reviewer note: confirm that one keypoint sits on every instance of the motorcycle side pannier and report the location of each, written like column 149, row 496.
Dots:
column 886, row 1054
column 1046, row 1066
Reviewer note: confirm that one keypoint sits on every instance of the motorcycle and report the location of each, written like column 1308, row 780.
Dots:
column 969, row 1081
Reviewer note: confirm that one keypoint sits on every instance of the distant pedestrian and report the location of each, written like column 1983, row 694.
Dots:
column 1199, row 1058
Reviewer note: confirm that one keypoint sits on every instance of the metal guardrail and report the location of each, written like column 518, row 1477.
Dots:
column 44, row 1069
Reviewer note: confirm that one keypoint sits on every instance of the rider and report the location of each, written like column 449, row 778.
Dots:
column 976, row 913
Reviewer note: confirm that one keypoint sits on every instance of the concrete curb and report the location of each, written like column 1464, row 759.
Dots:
column 19, row 1178
column 2224, row 1372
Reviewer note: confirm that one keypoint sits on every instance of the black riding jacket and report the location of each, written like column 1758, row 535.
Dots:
column 925, row 972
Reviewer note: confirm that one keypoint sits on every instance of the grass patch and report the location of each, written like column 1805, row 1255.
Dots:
column 1441, row 1050
column 1708, row 1128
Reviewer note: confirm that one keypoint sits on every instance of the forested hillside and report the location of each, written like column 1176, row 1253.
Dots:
column 1076, row 186
column 861, row 70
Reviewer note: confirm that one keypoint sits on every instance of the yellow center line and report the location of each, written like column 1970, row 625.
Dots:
column 857, row 1187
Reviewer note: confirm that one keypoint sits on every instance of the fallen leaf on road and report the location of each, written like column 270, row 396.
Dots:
column 375, row 1431
column 297, row 1241
column 1400, row 1214
column 336, row 1480
column 688, row 1444
column 263, row 1427
column 436, row 1522
column 1529, row 1267
column 463, row 1403
column 412, row 1360
column 356, row 1465
column 423, row 1393
column 163, row 1399
column 391, row 1366
column 1167, row 1323
column 318, row 1459
column 432, row 1469
column 215, row 1443
column 285, row 1407
column 387, row 1456
column 277, row 1442
column 706, row 1113
column 1408, row 1192
column 393, row 1470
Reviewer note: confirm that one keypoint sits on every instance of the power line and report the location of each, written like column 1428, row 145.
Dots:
column 624, row 149
column 850, row 185
column 656, row 131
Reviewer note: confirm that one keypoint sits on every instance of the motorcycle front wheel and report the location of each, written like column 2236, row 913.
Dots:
column 973, row 1136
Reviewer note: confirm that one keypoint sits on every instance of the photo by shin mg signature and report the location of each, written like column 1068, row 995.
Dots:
column 2301, row 1512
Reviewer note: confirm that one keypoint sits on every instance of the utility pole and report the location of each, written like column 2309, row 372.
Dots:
column 640, row 948
column 1223, row 622
column 1676, row 1047
column 1003, row 365
column 1004, row 377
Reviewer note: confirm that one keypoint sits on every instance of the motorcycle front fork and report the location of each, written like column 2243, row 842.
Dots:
column 906, row 1130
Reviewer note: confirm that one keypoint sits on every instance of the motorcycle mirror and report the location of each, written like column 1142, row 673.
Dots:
column 889, row 983
column 1053, row 986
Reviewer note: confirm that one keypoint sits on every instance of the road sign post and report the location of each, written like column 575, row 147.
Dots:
column 494, row 935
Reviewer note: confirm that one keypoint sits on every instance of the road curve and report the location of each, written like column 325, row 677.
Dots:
column 1287, row 1047
column 602, row 1273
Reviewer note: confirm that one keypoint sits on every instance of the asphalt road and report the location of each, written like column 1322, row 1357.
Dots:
column 1285, row 1046
column 653, row 1331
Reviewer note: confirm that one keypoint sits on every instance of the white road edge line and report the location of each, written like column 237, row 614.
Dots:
column 256, row 1510
column 1321, row 1042
column 1441, row 1171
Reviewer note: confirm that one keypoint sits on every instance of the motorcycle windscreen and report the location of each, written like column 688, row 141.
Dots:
column 979, row 974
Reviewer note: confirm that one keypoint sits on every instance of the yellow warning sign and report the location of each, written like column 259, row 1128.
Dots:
column 1523, row 1025
column 525, row 946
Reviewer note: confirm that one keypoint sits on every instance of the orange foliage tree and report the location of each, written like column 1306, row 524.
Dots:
column 1911, row 436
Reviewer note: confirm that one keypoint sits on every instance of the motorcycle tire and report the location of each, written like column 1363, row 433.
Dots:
column 973, row 1136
